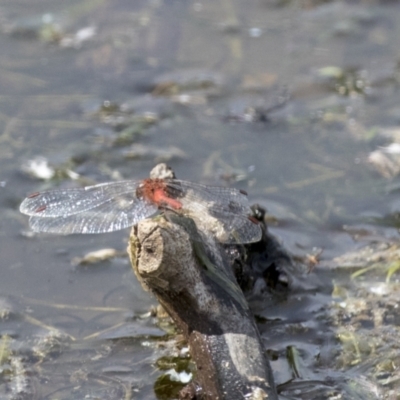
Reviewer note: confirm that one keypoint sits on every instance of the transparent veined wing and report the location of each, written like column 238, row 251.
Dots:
column 107, row 207
column 64, row 202
column 93, row 209
column 222, row 211
column 204, row 197
column 230, row 229
column 109, row 216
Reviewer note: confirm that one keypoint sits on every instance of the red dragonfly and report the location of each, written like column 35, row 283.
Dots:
column 111, row 206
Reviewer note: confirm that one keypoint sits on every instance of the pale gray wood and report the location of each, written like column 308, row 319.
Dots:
column 194, row 283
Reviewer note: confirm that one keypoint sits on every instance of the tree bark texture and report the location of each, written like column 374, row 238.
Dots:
column 193, row 281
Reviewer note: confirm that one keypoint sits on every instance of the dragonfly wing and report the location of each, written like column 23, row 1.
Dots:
column 222, row 211
column 61, row 203
column 109, row 216
column 230, row 229
column 209, row 198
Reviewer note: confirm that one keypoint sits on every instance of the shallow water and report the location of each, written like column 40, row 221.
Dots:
column 283, row 99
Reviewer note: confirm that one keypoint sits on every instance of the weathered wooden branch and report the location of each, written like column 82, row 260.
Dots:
column 193, row 282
